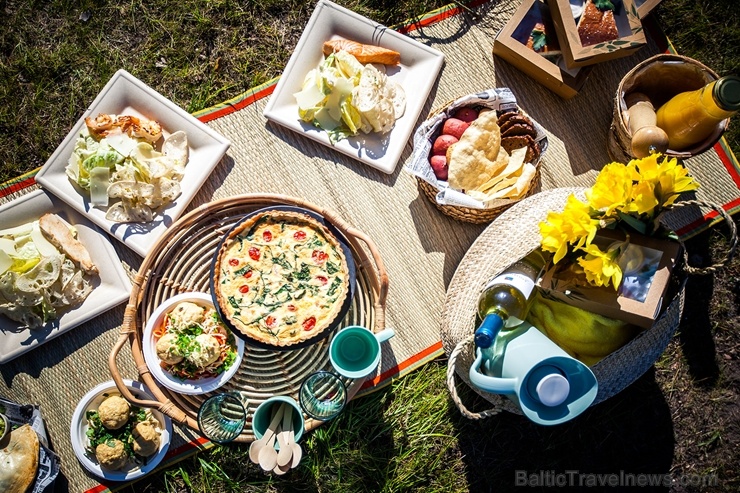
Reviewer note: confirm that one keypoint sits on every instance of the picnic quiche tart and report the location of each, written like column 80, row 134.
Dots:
column 281, row 278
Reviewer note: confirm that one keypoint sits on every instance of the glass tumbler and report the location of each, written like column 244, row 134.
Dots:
column 221, row 418
column 322, row 395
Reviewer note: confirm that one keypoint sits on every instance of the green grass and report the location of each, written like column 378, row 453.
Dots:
column 55, row 57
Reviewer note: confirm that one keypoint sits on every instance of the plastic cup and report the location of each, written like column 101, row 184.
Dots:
column 263, row 415
column 355, row 351
column 221, row 418
column 322, row 395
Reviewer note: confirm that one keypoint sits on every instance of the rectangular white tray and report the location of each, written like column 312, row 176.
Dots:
column 125, row 94
column 417, row 74
column 111, row 288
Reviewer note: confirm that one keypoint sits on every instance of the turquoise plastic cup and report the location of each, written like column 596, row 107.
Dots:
column 263, row 415
column 355, row 350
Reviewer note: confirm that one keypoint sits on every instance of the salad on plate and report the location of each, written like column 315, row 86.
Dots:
column 44, row 269
column 117, row 159
column 343, row 96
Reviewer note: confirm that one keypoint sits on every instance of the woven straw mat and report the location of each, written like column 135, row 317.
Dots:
column 420, row 246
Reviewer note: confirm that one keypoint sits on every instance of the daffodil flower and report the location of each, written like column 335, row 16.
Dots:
column 601, row 268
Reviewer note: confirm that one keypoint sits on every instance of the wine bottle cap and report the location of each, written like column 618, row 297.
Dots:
column 553, row 389
column 489, row 329
column 726, row 93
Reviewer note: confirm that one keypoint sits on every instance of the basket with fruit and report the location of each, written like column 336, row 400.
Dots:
column 478, row 155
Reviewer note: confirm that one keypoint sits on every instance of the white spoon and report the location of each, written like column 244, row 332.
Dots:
column 286, row 452
column 258, row 445
column 297, row 450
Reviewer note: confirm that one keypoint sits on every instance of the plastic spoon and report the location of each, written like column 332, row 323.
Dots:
column 286, row 452
column 258, row 445
column 297, row 450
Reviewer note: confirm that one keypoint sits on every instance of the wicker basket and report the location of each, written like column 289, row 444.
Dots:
column 470, row 214
column 489, row 256
column 181, row 261
column 660, row 78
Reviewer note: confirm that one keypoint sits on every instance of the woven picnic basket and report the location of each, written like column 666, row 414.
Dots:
column 181, row 261
column 471, row 214
column 510, row 237
column 660, row 77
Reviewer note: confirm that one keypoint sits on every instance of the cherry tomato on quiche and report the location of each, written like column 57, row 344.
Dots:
column 267, row 236
column 319, row 256
column 254, row 253
column 244, row 289
column 299, row 235
column 270, row 321
column 233, row 262
column 309, row 323
column 322, row 279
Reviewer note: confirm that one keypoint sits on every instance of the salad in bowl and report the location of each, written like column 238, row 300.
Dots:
column 188, row 348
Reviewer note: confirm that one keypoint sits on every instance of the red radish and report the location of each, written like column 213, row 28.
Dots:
column 466, row 114
column 455, row 127
column 439, row 165
column 439, row 148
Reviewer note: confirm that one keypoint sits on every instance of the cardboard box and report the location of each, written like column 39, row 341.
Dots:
column 644, row 7
column 546, row 68
column 630, row 34
column 640, row 296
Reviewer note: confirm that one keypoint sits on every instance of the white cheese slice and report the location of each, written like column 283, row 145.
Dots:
column 5, row 262
column 45, row 248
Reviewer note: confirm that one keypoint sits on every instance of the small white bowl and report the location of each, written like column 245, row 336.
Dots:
column 191, row 387
column 79, row 426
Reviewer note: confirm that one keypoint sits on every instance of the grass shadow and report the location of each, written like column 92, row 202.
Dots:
column 507, row 451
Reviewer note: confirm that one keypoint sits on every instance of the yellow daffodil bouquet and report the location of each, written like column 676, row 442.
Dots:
column 629, row 197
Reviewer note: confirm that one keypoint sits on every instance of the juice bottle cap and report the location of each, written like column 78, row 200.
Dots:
column 726, row 93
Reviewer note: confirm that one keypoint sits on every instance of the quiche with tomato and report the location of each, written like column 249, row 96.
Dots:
column 281, row 277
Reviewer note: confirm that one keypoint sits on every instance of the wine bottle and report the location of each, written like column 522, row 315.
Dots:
column 505, row 300
column 690, row 117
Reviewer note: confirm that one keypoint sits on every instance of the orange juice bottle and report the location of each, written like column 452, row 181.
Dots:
column 690, row 117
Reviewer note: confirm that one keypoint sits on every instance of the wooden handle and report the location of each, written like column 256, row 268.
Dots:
column 647, row 137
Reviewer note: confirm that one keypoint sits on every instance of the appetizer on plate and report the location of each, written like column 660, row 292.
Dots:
column 121, row 435
column 115, row 158
column 192, row 342
column 44, row 269
column 347, row 93
column 281, row 278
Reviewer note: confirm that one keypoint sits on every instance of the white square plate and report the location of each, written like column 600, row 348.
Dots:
column 112, row 287
column 125, row 94
column 417, row 74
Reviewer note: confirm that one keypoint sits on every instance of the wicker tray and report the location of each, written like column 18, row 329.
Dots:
column 181, row 261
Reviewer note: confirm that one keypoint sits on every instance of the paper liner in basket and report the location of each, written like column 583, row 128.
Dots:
column 499, row 99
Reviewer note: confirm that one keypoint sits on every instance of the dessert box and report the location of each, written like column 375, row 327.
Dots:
column 596, row 31
column 530, row 43
column 640, row 296
column 644, row 7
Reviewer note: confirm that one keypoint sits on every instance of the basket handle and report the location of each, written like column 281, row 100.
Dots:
column 168, row 408
column 453, row 390
column 733, row 237
column 380, row 275
column 123, row 338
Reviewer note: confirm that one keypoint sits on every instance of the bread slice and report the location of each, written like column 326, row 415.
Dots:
column 19, row 460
